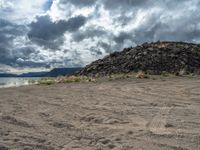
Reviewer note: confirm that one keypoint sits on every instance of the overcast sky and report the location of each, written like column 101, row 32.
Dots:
column 42, row 34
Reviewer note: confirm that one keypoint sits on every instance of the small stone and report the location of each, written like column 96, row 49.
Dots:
column 168, row 125
column 111, row 146
column 105, row 141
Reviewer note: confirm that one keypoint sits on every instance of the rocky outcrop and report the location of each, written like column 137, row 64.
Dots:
column 153, row 58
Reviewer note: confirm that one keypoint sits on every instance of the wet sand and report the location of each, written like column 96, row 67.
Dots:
column 131, row 114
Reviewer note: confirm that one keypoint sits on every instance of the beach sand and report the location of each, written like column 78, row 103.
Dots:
column 130, row 114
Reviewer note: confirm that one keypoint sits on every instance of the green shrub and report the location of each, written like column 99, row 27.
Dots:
column 46, row 82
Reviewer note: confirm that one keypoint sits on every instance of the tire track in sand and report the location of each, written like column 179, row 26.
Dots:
column 158, row 124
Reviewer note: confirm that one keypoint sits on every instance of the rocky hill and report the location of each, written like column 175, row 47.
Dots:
column 153, row 58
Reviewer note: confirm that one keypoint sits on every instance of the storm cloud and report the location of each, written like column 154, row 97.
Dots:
column 8, row 32
column 50, row 34
column 78, row 2
column 67, row 33
column 124, row 4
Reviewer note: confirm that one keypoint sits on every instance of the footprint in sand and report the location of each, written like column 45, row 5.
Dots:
column 16, row 121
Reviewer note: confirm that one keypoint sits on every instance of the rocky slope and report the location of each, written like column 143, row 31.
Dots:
column 153, row 58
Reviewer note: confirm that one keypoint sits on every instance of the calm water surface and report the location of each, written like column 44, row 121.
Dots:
column 15, row 82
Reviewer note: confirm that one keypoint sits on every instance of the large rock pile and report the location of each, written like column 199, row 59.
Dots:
column 153, row 58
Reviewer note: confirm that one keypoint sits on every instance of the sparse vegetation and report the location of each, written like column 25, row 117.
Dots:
column 46, row 81
column 111, row 77
column 65, row 79
column 142, row 75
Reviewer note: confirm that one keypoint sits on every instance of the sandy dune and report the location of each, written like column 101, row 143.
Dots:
column 128, row 114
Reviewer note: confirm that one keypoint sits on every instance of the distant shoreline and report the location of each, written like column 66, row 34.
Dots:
column 7, row 82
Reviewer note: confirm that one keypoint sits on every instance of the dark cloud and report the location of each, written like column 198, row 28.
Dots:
column 23, row 58
column 30, row 64
column 45, row 29
column 73, row 24
column 10, row 29
column 47, row 33
column 5, row 55
column 123, row 19
column 96, row 51
column 8, row 32
column 79, row 2
column 124, row 4
column 91, row 29
column 169, row 28
column 105, row 46
column 25, row 52
column 72, row 59
column 53, row 44
column 11, row 54
column 122, row 37
column 4, row 23
column 88, row 33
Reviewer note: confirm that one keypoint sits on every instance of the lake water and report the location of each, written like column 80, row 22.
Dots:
column 15, row 82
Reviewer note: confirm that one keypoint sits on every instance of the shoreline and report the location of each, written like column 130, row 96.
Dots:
column 16, row 82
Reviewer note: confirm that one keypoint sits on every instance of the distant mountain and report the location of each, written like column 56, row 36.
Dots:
column 53, row 73
column 7, row 75
column 33, row 74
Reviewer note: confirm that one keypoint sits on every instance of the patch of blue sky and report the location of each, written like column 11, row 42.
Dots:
column 47, row 5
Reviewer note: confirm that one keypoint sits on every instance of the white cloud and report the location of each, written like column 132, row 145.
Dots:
column 109, row 25
column 21, row 11
column 6, row 4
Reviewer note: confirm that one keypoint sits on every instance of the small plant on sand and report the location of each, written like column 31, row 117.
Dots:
column 46, row 81
column 67, row 79
column 31, row 81
column 142, row 75
column 72, row 79
column 165, row 74
column 88, row 79
column 118, row 76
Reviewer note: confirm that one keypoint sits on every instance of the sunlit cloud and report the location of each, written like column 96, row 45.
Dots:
column 66, row 33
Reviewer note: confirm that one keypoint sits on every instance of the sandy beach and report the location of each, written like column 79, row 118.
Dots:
column 130, row 114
